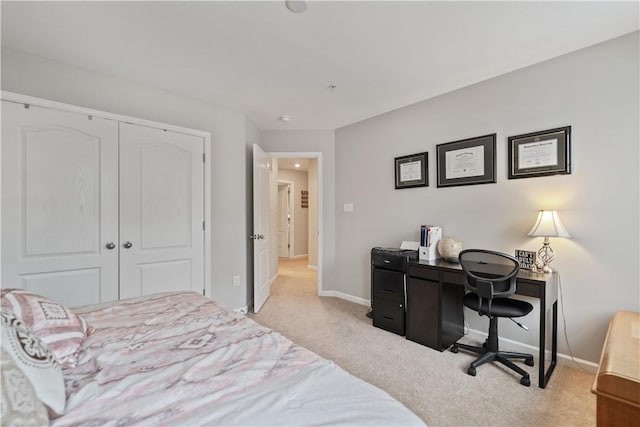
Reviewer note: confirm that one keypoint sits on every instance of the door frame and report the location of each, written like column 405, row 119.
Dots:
column 318, row 156
column 292, row 211
column 206, row 136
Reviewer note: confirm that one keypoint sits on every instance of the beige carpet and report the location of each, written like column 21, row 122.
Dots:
column 434, row 385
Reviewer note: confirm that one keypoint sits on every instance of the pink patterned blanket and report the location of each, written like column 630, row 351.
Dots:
column 181, row 359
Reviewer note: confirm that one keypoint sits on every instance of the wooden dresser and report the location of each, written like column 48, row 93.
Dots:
column 617, row 383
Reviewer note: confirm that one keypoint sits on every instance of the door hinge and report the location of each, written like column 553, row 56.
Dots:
column 203, row 157
column 203, row 226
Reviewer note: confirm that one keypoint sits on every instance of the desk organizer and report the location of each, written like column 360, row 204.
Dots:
column 430, row 252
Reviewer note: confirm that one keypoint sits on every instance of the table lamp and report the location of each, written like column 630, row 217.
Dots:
column 547, row 225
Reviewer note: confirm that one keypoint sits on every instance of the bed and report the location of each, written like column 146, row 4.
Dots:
column 182, row 359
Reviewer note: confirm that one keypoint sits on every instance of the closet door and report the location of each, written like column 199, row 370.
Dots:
column 59, row 204
column 161, row 211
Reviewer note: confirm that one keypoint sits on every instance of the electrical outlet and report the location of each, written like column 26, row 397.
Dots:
column 236, row 280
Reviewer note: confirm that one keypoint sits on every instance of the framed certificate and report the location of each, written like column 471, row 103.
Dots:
column 540, row 153
column 467, row 162
column 411, row 171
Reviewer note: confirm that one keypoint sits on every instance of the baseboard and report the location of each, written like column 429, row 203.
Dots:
column 347, row 297
column 299, row 256
column 563, row 359
column 312, row 267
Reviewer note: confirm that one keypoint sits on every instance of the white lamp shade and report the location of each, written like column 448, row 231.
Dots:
column 548, row 225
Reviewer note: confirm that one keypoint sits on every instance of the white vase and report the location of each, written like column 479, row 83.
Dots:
column 449, row 248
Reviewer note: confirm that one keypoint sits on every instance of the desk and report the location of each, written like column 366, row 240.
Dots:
column 442, row 284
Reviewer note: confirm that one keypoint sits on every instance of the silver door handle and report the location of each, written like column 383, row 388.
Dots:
column 127, row 245
column 110, row 245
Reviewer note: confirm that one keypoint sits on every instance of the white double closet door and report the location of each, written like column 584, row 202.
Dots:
column 95, row 209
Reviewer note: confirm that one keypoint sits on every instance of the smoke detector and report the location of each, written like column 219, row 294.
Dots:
column 296, row 6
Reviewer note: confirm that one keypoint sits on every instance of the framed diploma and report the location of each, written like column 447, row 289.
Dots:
column 540, row 153
column 467, row 162
column 411, row 171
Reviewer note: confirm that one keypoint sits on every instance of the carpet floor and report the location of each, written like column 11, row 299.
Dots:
column 434, row 385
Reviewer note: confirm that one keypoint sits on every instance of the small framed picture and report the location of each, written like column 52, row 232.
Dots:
column 467, row 162
column 540, row 153
column 411, row 171
column 527, row 259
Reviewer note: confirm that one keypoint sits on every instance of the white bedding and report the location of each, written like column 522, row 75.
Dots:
column 181, row 359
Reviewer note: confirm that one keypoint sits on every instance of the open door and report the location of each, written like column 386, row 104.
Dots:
column 261, row 236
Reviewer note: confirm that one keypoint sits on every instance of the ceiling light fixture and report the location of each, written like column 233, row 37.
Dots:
column 296, row 165
column 285, row 118
column 296, row 6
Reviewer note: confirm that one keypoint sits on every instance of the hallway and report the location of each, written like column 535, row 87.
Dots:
column 294, row 278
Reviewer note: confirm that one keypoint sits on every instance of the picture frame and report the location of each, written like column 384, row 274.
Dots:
column 412, row 171
column 467, row 162
column 540, row 153
column 526, row 259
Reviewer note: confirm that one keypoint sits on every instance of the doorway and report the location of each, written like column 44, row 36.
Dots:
column 299, row 174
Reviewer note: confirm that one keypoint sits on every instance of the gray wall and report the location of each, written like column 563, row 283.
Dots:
column 35, row 76
column 594, row 90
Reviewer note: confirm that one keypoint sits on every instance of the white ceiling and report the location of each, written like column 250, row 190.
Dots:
column 289, row 163
column 267, row 61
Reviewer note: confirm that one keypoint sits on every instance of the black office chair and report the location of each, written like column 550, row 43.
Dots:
column 490, row 278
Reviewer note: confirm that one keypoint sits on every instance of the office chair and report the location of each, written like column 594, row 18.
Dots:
column 490, row 278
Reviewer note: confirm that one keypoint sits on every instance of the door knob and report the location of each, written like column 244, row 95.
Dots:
column 127, row 245
column 110, row 245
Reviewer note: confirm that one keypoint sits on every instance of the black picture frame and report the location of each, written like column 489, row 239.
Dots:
column 467, row 162
column 540, row 153
column 412, row 171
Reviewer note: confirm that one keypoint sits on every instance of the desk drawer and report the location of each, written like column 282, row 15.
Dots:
column 453, row 277
column 388, row 284
column 423, row 272
column 388, row 315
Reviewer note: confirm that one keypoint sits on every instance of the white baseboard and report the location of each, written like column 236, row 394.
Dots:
column 312, row 267
column 346, row 297
column 299, row 256
column 563, row 359
column 242, row 310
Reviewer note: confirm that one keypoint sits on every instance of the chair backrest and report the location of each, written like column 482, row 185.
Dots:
column 489, row 274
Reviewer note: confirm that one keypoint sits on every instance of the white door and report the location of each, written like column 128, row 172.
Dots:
column 59, row 204
column 161, row 211
column 284, row 220
column 261, row 238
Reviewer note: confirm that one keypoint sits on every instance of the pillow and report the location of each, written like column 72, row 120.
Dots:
column 61, row 329
column 35, row 360
column 20, row 405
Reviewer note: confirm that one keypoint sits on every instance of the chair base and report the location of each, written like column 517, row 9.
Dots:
column 500, row 356
column 489, row 352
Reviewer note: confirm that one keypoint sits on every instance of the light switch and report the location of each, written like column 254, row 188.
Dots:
column 348, row 207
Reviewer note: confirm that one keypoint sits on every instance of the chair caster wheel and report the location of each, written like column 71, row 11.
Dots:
column 484, row 345
column 454, row 349
column 525, row 381
column 471, row 371
column 529, row 361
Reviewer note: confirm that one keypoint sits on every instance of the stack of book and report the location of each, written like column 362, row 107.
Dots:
column 430, row 235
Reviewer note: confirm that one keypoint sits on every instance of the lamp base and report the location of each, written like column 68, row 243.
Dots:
column 545, row 256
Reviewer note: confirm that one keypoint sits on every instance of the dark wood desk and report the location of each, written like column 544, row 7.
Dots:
column 441, row 280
